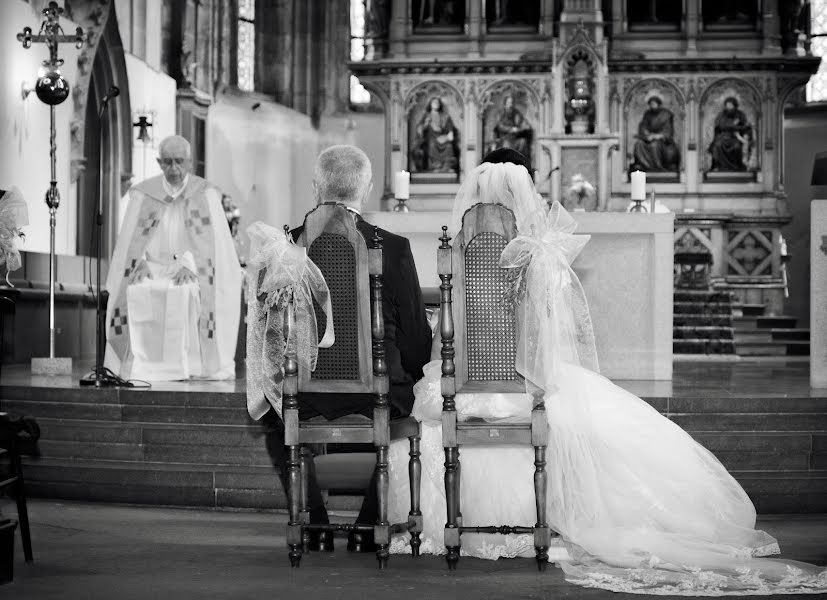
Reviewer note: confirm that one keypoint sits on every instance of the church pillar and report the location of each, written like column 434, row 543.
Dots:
column 476, row 28
column 547, row 18
column 691, row 26
column 400, row 28
column 691, row 166
column 771, row 28
column 299, row 70
column 471, row 122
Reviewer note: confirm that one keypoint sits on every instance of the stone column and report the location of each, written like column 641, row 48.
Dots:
column 476, row 28
column 399, row 29
column 692, row 26
column 771, row 28
column 818, row 291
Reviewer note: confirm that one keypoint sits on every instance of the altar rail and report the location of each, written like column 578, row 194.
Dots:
column 747, row 251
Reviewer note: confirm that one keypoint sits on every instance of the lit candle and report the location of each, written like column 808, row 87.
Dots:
column 402, row 185
column 638, row 185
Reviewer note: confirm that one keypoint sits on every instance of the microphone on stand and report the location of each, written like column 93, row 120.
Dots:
column 113, row 92
column 100, row 376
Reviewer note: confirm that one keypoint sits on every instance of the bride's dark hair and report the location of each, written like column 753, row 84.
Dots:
column 508, row 155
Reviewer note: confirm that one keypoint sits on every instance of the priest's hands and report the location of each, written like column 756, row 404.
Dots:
column 184, row 275
column 140, row 272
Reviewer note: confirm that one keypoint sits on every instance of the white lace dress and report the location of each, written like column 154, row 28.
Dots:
column 639, row 505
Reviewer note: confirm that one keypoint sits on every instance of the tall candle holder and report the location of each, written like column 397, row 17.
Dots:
column 52, row 89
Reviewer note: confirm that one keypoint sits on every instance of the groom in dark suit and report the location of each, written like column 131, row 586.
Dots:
column 343, row 175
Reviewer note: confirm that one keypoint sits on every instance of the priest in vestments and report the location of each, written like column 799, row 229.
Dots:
column 174, row 279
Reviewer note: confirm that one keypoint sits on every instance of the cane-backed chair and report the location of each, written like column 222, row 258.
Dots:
column 479, row 347
column 355, row 363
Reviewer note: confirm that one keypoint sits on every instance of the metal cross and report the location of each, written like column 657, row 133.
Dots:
column 52, row 35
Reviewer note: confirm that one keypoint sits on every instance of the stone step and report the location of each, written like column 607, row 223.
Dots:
column 752, row 310
column 778, row 492
column 155, row 396
column 702, row 296
column 704, row 332
column 757, row 336
column 752, row 422
column 776, row 322
column 771, row 347
column 794, row 334
column 782, row 491
column 130, row 413
column 714, row 308
column 702, row 346
column 694, row 320
column 151, row 433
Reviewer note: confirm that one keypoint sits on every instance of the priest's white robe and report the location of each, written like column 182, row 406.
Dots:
column 158, row 331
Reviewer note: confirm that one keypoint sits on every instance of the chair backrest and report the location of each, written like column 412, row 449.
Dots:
column 334, row 243
column 485, row 326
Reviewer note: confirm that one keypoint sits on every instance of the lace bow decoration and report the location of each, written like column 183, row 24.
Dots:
column 14, row 214
column 554, row 322
column 282, row 283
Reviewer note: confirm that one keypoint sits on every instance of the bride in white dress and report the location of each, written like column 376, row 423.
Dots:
column 639, row 505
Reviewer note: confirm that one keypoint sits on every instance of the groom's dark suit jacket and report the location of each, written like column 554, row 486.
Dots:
column 407, row 334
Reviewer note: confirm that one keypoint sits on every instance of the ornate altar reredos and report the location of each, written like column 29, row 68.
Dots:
column 457, row 78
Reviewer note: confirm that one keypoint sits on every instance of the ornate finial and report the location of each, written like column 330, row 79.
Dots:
column 445, row 238
column 287, row 232
column 377, row 239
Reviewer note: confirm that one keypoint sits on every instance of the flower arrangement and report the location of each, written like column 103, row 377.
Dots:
column 13, row 215
column 580, row 194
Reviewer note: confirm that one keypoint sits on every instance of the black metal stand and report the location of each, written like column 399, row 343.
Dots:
column 100, row 375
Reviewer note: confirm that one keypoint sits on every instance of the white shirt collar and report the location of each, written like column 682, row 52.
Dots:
column 175, row 193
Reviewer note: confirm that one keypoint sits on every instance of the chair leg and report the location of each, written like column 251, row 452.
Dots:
column 22, row 511
column 414, row 478
column 542, row 534
column 381, row 531
column 294, row 525
column 452, row 533
column 304, row 512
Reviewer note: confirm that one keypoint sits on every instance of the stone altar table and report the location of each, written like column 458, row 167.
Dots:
column 627, row 274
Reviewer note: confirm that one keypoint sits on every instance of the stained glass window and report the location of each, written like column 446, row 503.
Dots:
column 358, row 94
column 246, row 44
column 817, row 87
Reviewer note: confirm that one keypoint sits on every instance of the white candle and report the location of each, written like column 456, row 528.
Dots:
column 638, row 185
column 402, row 185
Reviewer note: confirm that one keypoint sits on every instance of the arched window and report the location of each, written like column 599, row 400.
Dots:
column 817, row 87
column 358, row 94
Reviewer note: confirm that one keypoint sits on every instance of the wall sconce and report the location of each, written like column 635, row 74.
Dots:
column 26, row 88
column 143, row 126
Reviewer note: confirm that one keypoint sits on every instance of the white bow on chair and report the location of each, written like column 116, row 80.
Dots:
column 554, row 322
column 278, row 273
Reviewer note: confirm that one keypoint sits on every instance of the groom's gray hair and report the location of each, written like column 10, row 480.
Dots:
column 342, row 174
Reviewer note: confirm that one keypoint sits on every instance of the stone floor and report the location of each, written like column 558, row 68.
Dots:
column 101, row 551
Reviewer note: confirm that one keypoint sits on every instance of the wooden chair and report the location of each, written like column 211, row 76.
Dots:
column 355, row 363
column 478, row 355
column 15, row 432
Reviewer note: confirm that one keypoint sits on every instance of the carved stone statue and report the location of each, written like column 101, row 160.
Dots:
column 733, row 139
column 655, row 148
column 436, row 144
column 512, row 130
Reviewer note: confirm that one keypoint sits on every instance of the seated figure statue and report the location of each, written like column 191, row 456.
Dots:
column 655, row 148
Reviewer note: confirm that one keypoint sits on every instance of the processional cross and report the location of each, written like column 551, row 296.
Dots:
column 52, row 89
